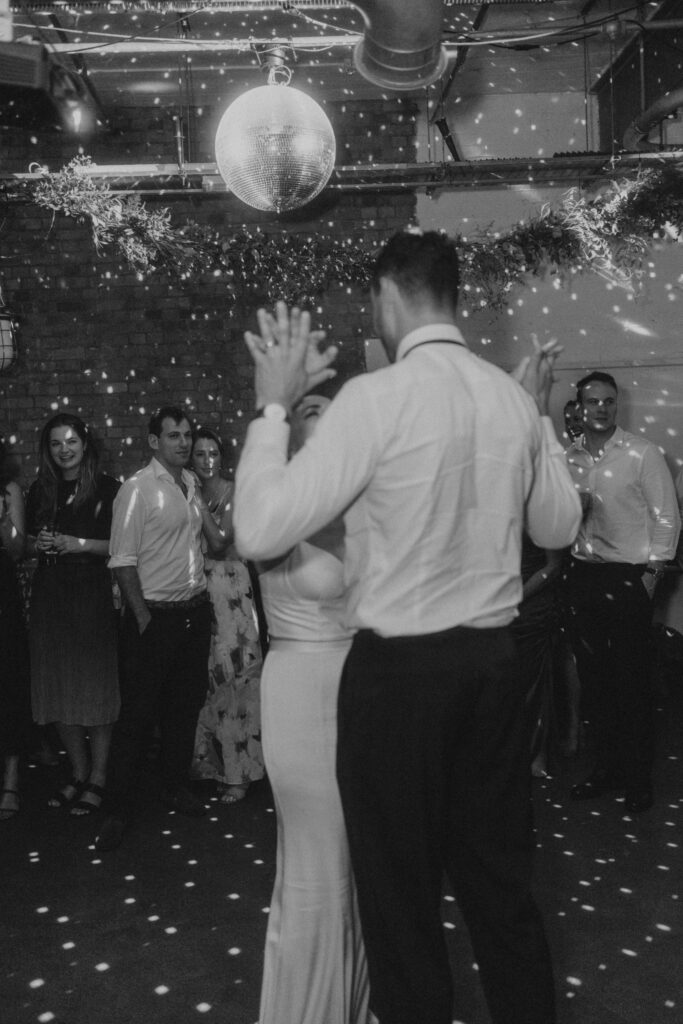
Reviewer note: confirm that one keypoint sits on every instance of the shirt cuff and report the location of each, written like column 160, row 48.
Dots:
column 268, row 431
column 122, row 561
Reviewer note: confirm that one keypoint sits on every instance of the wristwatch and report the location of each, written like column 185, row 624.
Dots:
column 272, row 411
column 657, row 573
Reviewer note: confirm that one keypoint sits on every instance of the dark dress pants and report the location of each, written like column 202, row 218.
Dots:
column 164, row 679
column 433, row 769
column 611, row 617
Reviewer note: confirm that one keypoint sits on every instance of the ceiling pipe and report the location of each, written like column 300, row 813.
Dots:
column 222, row 6
column 636, row 135
column 401, row 46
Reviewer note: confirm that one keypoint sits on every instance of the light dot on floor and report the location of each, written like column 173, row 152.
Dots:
column 161, row 990
column 36, row 983
column 234, row 951
column 68, row 945
column 574, row 981
column 45, row 1017
column 101, row 967
column 170, row 931
column 203, row 1007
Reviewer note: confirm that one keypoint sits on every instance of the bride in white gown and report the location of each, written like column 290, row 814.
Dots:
column 314, row 967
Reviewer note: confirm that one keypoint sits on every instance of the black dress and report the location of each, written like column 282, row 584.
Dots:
column 15, row 704
column 72, row 620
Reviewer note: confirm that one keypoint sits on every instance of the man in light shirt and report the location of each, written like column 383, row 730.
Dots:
column 157, row 559
column 629, row 531
column 437, row 462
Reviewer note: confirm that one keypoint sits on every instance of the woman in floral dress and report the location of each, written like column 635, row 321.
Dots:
column 228, row 740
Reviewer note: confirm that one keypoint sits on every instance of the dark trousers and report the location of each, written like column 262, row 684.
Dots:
column 164, row 679
column 611, row 616
column 433, row 769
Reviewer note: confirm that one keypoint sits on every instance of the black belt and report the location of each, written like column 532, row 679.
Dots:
column 179, row 606
column 55, row 559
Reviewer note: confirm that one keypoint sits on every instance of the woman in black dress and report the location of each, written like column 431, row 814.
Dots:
column 15, row 707
column 72, row 621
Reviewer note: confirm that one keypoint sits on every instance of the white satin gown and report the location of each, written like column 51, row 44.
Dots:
column 314, row 968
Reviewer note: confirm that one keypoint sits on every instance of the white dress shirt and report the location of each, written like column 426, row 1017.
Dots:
column 633, row 511
column 157, row 530
column 437, row 462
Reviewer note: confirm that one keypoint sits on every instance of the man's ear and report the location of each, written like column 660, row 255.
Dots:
column 153, row 441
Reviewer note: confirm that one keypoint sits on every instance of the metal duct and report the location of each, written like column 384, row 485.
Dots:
column 635, row 137
column 401, row 47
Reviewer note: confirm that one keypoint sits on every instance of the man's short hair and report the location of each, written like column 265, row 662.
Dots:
column 166, row 412
column 420, row 262
column 595, row 377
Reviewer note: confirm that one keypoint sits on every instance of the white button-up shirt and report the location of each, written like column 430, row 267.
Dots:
column 632, row 513
column 157, row 530
column 437, row 463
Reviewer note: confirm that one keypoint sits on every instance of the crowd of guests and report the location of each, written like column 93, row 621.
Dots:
column 65, row 641
column 439, row 578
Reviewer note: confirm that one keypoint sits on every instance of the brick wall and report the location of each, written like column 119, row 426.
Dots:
column 96, row 340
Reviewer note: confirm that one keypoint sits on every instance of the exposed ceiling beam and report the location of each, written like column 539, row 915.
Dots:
column 167, row 179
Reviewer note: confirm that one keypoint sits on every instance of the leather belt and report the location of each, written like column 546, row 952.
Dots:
column 180, row 606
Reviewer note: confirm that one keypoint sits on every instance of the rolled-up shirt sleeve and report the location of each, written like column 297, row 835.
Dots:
column 660, row 495
column 128, row 519
column 553, row 509
column 279, row 503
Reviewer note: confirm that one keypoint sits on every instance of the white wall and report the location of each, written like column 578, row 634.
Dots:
column 493, row 126
column 636, row 332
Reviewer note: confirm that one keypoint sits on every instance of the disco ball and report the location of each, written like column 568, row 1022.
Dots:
column 275, row 148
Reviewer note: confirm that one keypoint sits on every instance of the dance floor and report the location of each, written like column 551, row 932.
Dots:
column 169, row 929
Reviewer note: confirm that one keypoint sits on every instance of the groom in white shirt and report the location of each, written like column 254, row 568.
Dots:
column 437, row 463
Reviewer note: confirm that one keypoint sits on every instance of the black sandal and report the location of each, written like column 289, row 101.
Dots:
column 59, row 797
column 82, row 808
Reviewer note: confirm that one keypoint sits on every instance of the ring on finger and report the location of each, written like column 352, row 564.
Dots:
column 270, row 344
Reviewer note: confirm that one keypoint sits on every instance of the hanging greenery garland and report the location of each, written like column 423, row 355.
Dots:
column 609, row 233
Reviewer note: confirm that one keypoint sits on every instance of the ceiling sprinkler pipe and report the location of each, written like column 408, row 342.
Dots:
column 401, row 47
column 635, row 137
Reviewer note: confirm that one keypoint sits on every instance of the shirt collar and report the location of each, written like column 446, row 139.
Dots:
column 161, row 471
column 617, row 438
column 430, row 332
